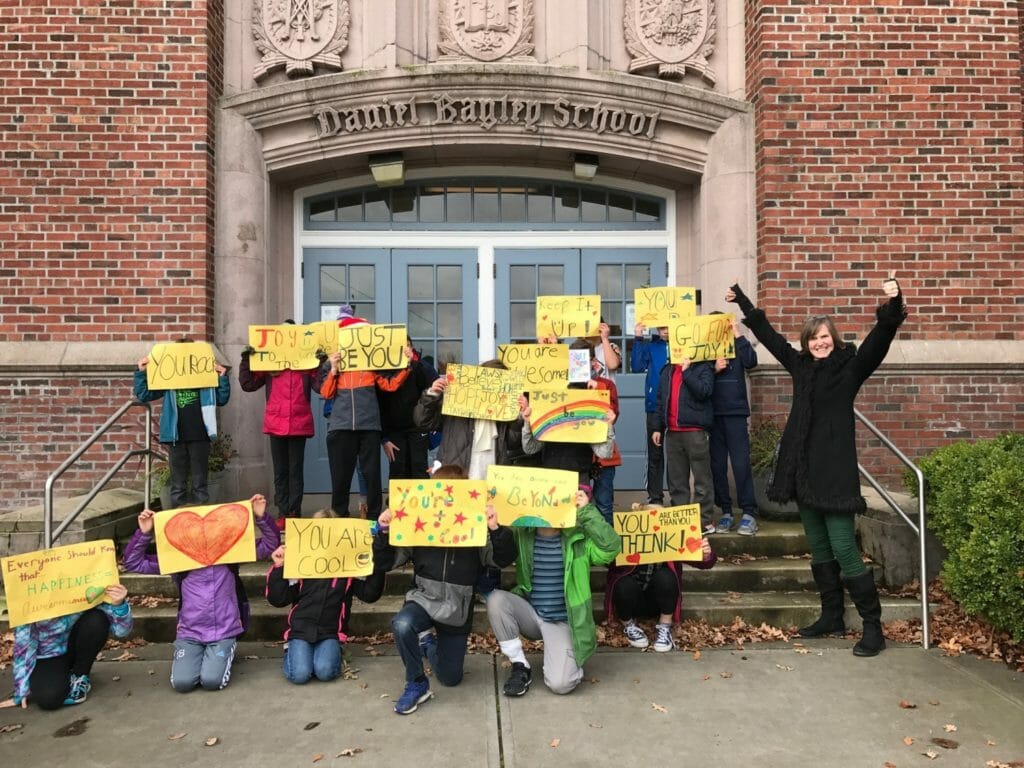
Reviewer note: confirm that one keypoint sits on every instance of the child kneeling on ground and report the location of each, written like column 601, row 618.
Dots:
column 319, row 616
column 437, row 616
column 213, row 611
column 551, row 600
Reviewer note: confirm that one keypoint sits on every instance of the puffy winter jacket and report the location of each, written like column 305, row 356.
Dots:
column 694, row 407
column 288, row 412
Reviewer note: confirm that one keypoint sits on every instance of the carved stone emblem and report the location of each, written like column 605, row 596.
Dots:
column 298, row 34
column 486, row 30
column 672, row 35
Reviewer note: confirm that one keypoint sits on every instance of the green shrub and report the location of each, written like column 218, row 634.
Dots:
column 975, row 500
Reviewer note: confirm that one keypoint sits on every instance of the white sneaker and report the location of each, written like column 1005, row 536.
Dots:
column 636, row 636
column 664, row 641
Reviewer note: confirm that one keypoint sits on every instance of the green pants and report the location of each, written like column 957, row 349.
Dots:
column 831, row 537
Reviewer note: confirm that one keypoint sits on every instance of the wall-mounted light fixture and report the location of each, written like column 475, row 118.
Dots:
column 584, row 165
column 388, row 169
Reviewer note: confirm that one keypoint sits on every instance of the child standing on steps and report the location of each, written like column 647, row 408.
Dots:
column 213, row 611
column 317, row 621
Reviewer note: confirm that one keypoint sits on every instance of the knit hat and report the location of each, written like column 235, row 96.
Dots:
column 345, row 310
column 587, row 490
column 346, row 317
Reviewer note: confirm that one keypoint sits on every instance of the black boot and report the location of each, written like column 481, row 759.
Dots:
column 865, row 597
column 826, row 576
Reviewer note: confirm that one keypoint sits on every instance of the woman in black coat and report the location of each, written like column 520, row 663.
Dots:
column 817, row 460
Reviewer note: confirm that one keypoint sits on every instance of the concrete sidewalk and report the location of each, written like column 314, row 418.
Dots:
column 767, row 705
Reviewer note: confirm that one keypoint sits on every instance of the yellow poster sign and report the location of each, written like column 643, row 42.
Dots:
column 59, row 581
column 701, row 337
column 660, row 307
column 659, row 535
column 190, row 365
column 283, row 347
column 194, row 537
column 544, row 366
column 565, row 316
column 570, row 416
column 532, row 497
column 372, row 347
column 438, row 513
column 476, row 392
column 327, row 548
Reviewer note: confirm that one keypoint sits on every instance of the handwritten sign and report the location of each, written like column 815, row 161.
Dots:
column 59, row 581
column 372, row 347
column 476, row 392
column 579, row 366
column 531, row 497
column 438, row 513
column 190, row 365
column 570, row 416
column 659, row 535
column 327, row 548
column 661, row 307
column 283, row 347
column 701, row 337
column 565, row 316
column 544, row 366
column 194, row 537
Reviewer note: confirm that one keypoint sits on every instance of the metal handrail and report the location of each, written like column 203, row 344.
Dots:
column 918, row 528
column 49, row 535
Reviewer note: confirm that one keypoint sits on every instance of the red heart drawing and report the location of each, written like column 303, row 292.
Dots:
column 657, row 528
column 682, row 549
column 634, row 558
column 693, row 527
column 654, row 513
column 693, row 544
column 207, row 539
column 543, row 317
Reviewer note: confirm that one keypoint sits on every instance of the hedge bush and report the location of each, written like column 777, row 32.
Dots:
column 975, row 498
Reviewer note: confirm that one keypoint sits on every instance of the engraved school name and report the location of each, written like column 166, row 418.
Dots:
column 443, row 109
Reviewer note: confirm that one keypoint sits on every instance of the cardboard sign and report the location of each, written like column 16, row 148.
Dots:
column 531, row 497
column 194, row 537
column 570, row 416
column 579, row 366
column 327, row 548
column 190, row 365
column 438, row 513
column 372, row 347
column 475, row 392
column 58, row 582
column 661, row 307
column 701, row 337
column 544, row 366
column 659, row 535
column 283, row 347
column 565, row 316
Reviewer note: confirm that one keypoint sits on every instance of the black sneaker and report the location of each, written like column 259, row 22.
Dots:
column 519, row 680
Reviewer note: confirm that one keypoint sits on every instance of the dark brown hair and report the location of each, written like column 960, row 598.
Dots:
column 811, row 327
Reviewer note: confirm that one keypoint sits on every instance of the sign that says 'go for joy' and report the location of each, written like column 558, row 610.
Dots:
column 565, row 316
column 438, row 513
column 188, row 365
column 659, row 535
column 476, row 392
column 531, row 497
column 544, row 366
column 283, row 347
column 194, row 537
column 59, row 581
column 702, row 337
column 660, row 307
column 325, row 548
column 570, row 416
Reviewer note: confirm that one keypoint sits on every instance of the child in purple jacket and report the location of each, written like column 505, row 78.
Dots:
column 211, row 614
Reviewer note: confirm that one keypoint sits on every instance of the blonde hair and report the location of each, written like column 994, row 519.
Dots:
column 320, row 514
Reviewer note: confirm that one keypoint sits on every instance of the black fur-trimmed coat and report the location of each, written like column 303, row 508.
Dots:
column 817, row 462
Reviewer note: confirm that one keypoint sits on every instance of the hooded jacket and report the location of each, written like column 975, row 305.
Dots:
column 694, row 408
column 729, row 396
column 650, row 356
column 209, row 399
column 288, row 412
column 457, row 434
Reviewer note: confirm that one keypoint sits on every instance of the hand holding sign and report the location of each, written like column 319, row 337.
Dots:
column 890, row 287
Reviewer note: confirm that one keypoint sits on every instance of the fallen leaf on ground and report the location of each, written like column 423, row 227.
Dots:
column 990, row 743
column 554, row 743
column 949, row 728
column 383, row 695
column 904, row 704
column 11, row 727
column 364, row 686
column 251, row 657
column 707, row 677
column 310, row 726
column 908, row 740
column 593, row 680
column 726, row 675
column 176, row 736
column 696, row 655
column 659, row 708
column 212, row 741
column 116, row 678
column 595, row 725
column 931, row 754
column 802, row 651
column 946, row 743
column 318, row 757
column 151, row 671
column 349, row 752
column 934, row 703
column 126, row 656
column 889, row 765
column 784, row 668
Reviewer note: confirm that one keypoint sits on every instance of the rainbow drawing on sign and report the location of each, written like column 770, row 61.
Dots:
column 554, row 422
column 570, row 415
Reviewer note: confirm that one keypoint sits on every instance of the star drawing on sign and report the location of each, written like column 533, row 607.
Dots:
column 449, row 490
column 474, row 494
column 420, row 525
column 400, row 513
column 460, row 518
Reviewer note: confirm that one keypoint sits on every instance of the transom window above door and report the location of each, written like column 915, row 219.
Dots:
column 485, row 204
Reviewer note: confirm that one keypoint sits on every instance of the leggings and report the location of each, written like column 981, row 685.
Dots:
column 50, row 680
column 661, row 596
column 831, row 537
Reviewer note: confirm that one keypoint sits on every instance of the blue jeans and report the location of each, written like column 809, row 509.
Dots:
column 447, row 655
column 303, row 659
column 604, row 492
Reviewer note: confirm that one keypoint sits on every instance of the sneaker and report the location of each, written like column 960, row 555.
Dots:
column 519, row 679
column 748, row 526
column 413, row 695
column 636, row 636
column 80, row 687
column 428, row 640
column 279, row 524
column 724, row 524
column 663, row 641
column 709, row 528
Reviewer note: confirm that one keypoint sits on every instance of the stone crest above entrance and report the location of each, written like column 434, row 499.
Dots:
column 672, row 35
column 299, row 34
column 485, row 30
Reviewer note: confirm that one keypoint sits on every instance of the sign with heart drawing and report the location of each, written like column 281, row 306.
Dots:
column 657, row 535
column 194, row 537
